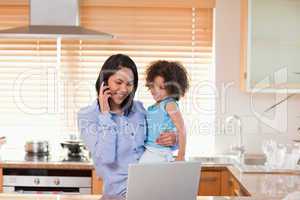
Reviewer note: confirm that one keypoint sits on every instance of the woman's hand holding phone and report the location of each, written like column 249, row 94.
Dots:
column 104, row 95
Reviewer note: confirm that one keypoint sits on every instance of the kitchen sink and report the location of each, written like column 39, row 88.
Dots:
column 256, row 164
column 214, row 160
column 254, row 159
column 251, row 163
column 248, row 159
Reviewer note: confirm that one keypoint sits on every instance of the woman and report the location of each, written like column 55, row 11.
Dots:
column 114, row 127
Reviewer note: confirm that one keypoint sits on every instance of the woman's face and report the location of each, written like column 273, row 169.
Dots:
column 121, row 84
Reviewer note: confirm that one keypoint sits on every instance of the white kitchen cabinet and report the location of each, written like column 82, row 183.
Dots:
column 270, row 46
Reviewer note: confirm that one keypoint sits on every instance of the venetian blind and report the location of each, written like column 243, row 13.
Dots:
column 144, row 30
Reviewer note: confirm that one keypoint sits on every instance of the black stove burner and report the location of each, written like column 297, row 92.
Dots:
column 75, row 158
column 37, row 157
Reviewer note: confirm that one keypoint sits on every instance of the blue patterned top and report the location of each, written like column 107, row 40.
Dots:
column 158, row 120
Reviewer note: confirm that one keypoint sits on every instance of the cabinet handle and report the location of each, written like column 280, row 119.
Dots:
column 56, row 181
column 210, row 179
column 36, row 181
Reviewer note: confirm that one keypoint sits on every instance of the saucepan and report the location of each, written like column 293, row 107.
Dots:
column 37, row 147
column 74, row 147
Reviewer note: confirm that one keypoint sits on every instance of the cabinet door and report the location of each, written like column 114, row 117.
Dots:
column 230, row 186
column 226, row 184
column 97, row 183
column 237, row 188
column 270, row 45
column 1, row 179
column 210, row 183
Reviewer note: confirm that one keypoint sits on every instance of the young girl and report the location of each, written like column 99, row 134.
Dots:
column 167, row 82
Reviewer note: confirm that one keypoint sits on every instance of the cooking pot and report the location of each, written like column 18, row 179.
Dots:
column 37, row 147
column 74, row 147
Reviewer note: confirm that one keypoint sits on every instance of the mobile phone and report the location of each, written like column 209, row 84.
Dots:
column 105, row 84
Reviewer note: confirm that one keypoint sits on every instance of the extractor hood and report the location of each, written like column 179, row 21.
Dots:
column 54, row 19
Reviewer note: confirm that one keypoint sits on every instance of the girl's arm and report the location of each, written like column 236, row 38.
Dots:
column 176, row 117
column 99, row 135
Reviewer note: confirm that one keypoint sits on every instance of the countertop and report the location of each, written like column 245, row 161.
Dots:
column 97, row 197
column 267, row 186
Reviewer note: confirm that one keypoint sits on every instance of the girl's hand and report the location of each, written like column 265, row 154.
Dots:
column 180, row 158
column 104, row 95
column 167, row 139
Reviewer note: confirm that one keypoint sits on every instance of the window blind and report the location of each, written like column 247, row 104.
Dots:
column 144, row 30
column 147, row 33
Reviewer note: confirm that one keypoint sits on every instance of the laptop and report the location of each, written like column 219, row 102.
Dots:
column 163, row 181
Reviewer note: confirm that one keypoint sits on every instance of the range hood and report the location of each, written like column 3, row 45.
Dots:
column 54, row 19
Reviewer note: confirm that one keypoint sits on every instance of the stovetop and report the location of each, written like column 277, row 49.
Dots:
column 54, row 156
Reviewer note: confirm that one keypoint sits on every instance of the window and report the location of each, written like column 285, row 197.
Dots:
column 43, row 99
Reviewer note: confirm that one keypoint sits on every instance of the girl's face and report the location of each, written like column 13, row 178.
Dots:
column 121, row 85
column 158, row 89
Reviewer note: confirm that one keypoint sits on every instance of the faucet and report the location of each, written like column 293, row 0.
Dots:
column 240, row 147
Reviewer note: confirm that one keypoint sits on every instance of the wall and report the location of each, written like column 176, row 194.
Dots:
column 231, row 100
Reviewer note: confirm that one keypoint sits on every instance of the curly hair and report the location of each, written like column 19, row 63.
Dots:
column 174, row 74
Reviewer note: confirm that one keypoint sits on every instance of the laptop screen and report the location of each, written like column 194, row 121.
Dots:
column 166, row 181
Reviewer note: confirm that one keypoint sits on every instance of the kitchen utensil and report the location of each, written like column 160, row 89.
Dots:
column 74, row 147
column 37, row 147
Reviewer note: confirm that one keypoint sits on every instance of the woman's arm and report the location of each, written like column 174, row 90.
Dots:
column 99, row 135
column 176, row 117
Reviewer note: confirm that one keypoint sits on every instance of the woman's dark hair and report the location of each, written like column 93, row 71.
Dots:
column 110, row 66
column 174, row 75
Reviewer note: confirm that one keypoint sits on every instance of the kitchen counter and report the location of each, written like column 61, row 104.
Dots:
column 75, row 197
column 97, row 197
column 267, row 186
column 264, row 185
